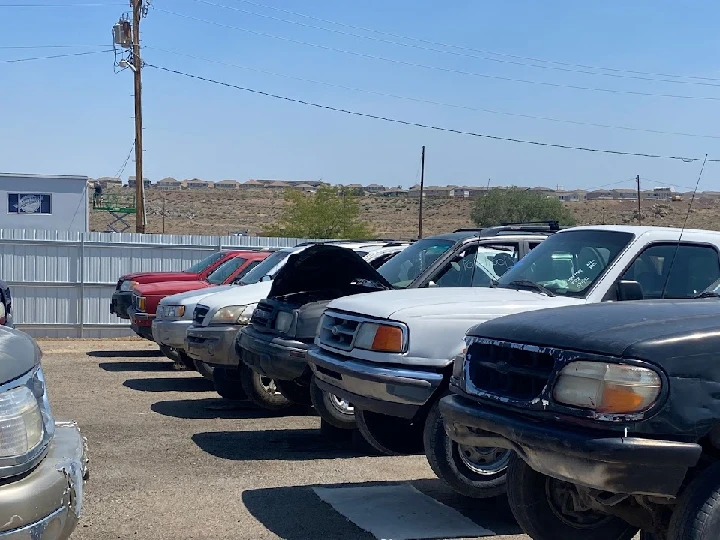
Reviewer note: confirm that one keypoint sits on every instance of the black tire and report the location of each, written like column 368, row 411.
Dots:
column 473, row 472
column 188, row 362
column 262, row 391
column 334, row 411
column 295, row 392
column 389, row 435
column 204, row 370
column 529, row 494
column 227, row 384
column 697, row 512
column 169, row 353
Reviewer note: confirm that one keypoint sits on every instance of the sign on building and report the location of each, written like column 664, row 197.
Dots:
column 29, row 203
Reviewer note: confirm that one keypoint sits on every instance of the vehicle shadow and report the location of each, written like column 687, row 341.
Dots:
column 145, row 353
column 312, row 518
column 218, row 408
column 137, row 366
column 275, row 445
column 170, row 384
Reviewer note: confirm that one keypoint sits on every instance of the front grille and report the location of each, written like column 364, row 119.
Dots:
column 262, row 317
column 508, row 370
column 338, row 330
column 199, row 314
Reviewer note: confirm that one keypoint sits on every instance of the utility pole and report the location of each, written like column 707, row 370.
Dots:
column 137, row 69
column 163, row 214
column 422, row 187
column 638, row 200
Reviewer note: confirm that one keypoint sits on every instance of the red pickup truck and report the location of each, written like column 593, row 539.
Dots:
column 122, row 297
column 147, row 296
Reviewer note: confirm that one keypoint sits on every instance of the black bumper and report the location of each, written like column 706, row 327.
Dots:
column 272, row 356
column 120, row 303
column 598, row 460
column 142, row 331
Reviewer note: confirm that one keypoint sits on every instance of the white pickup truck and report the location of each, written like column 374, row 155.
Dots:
column 390, row 353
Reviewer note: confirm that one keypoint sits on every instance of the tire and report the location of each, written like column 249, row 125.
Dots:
column 529, row 494
column 295, row 392
column 334, row 411
column 389, row 435
column 697, row 513
column 204, row 370
column 473, row 472
column 169, row 353
column 228, row 385
column 188, row 362
column 262, row 391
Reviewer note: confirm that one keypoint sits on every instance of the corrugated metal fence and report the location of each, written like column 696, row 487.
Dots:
column 62, row 281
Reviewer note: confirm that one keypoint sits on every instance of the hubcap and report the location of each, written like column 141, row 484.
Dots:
column 341, row 405
column 484, row 461
column 569, row 507
column 269, row 386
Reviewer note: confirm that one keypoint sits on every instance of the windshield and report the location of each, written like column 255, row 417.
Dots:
column 568, row 264
column 407, row 265
column 225, row 270
column 205, row 263
column 475, row 266
column 264, row 268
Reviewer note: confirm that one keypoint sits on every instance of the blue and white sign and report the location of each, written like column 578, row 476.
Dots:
column 29, row 203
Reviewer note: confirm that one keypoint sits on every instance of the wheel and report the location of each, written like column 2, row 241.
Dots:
column 262, row 391
column 188, row 362
column 295, row 392
column 697, row 513
column 169, row 353
column 550, row 509
column 334, row 410
column 470, row 471
column 204, row 370
column 227, row 384
column 389, row 435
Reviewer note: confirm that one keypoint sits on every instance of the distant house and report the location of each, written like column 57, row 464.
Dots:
column 227, row 184
column 250, row 184
column 168, row 184
column 599, row 194
column 374, row 188
column 107, row 181
column 467, row 192
column 397, row 192
column 543, row 190
column 571, row 196
column 305, row 187
column 625, row 194
column 278, row 184
column 660, row 194
column 131, row 182
column 430, row 191
column 196, row 183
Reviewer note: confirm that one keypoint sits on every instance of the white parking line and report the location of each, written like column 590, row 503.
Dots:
column 399, row 512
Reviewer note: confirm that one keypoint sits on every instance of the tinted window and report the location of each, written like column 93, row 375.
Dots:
column 225, row 270
column 205, row 263
column 245, row 271
column 569, row 263
column 262, row 269
column 694, row 269
column 476, row 266
column 407, row 265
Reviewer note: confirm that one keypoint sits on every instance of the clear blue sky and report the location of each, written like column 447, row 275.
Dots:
column 74, row 115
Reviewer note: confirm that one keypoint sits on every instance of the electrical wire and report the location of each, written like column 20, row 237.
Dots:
column 645, row 78
column 50, row 46
column 438, row 68
column 95, row 4
column 127, row 160
column 432, row 102
column 54, row 56
column 470, row 49
column 425, row 126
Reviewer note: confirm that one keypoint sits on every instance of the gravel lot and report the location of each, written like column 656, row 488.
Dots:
column 171, row 460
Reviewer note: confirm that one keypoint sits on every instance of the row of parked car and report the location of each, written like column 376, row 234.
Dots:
column 479, row 348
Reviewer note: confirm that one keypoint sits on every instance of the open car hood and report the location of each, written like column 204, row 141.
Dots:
column 324, row 267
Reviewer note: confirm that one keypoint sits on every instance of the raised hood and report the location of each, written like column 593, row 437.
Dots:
column 166, row 288
column 324, row 267
column 237, row 295
column 191, row 297
column 153, row 277
column 18, row 354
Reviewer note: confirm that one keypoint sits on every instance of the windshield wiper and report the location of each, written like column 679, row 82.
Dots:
column 707, row 294
column 531, row 285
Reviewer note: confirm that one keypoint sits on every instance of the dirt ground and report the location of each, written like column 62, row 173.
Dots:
column 218, row 212
column 171, row 460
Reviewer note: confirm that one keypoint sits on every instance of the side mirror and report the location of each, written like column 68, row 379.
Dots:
column 629, row 290
column 431, row 284
column 266, row 278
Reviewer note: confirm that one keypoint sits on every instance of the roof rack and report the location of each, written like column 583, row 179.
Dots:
column 549, row 226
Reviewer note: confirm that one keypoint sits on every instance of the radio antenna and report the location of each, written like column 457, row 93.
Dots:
column 687, row 216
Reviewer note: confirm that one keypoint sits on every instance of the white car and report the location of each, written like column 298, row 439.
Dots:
column 391, row 353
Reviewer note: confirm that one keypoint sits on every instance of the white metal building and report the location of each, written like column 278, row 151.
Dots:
column 29, row 201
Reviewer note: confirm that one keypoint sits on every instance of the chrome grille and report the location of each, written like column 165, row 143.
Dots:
column 199, row 314
column 136, row 302
column 337, row 330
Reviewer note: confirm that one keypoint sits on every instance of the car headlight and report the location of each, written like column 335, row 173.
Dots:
column 458, row 363
column 229, row 315
column 141, row 303
column 26, row 423
column 174, row 312
column 127, row 285
column 284, row 321
column 607, row 388
column 380, row 338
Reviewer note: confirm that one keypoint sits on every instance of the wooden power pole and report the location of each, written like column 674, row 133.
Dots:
column 422, row 187
column 638, row 200
column 137, row 69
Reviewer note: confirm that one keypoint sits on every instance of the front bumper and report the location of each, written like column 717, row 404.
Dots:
column 47, row 503
column 272, row 356
column 170, row 332
column 213, row 345
column 598, row 460
column 394, row 391
column 141, row 323
column 120, row 303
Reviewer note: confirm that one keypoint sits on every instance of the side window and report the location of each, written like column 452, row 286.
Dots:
column 477, row 266
column 498, row 258
column 694, row 269
column 459, row 271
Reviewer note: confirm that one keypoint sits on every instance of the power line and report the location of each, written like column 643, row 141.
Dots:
column 94, row 4
column 17, row 60
column 433, row 102
column 50, row 46
column 481, row 51
column 645, row 78
column 127, row 159
column 438, row 68
column 426, row 126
